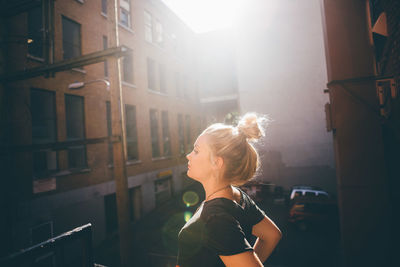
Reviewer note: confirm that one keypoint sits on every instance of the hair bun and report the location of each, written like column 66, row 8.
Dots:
column 249, row 126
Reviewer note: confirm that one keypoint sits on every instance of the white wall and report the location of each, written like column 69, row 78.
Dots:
column 282, row 72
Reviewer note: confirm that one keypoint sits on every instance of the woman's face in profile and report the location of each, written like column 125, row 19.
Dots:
column 199, row 163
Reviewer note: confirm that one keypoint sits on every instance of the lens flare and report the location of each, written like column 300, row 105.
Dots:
column 187, row 215
column 190, row 198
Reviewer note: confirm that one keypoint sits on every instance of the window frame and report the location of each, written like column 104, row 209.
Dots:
column 154, row 133
column 166, row 135
column 64, row 18
column 134, row 137
column 83, row 147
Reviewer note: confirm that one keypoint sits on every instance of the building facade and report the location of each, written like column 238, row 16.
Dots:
column 362, row 50
column 57, row 143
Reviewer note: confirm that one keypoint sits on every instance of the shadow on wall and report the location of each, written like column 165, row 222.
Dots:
column 275, row 171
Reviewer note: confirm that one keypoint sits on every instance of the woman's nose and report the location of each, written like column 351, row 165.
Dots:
column 188, row 155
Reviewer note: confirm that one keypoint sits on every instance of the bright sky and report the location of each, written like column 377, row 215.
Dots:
column 205, row 15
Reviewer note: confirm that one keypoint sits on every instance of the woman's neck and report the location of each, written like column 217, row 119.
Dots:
column 214, row 190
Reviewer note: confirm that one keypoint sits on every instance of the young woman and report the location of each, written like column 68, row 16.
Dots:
column 218, row 232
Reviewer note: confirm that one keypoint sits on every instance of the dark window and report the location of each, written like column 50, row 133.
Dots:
column 127, row 75
column 110, row 210
column 77, row 157
column 151, row 75
column 74, row 116
column 135, row 203
column 155, row 145
column 181, row 135
column 163, row 85
column 162, row 190
column 165, row 133
column 71, row 38
column 125, row 13
column 43, row 116
column 375, row 10
column 35, row 32
column 109, row 133
column 104, row 6
column 105, row 46
column 131, row 132
column 43, row 131
column 188, row 138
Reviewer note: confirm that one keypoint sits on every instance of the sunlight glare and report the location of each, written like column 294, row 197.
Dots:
column 206, row 15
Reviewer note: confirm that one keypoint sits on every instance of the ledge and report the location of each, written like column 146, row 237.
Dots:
column 38, row 59
column 156, row 92
column 72, row 171
column 79, row 70
column 104, row 15
column 133, row 162
column 131, row 85
column 161, row 158
column 126, row 28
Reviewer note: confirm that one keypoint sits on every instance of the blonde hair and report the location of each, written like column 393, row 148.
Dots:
column 232, row 145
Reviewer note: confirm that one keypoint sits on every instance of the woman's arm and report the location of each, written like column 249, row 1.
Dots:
column 248, row 259
column 268, row 237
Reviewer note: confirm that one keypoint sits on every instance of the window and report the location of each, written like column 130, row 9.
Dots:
column 127, row 70
column 105, row 46
column 163, row 190
column 44, row 131
column 161, row 72
column 131, row 132
column 181, row 135
column 125, row 13
column 379, row 33
column 110, row 210
column 148, row 27
column 74, row 115
column 35, row 32
column 109, row 133
column 151, row 75
column 185, row 87
column 71, row 38
column 165, row 133
column 155, row 145
column 188, row 139
column 159, row 33
column 135, row 203
column 104, row 7
column 43, row 116
column 178, row 85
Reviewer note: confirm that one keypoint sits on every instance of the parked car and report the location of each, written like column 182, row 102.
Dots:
column 308, row 192
column 306, row 212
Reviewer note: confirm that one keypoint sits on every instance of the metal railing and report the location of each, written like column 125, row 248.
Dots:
column 72, row 248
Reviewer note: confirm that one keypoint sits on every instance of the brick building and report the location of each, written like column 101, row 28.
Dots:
column 56, row 143
column 362, row 48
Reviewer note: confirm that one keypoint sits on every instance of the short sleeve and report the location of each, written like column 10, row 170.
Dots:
column 224, row 236
column 255, row 214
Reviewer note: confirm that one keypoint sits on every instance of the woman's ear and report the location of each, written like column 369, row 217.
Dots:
column 218, row 162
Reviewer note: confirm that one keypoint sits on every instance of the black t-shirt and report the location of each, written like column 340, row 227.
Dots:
column 219, row 227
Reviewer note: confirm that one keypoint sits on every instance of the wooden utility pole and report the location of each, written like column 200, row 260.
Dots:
column 118, row 133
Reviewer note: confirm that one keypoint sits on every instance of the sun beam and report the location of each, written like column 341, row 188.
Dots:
column 206, row 15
